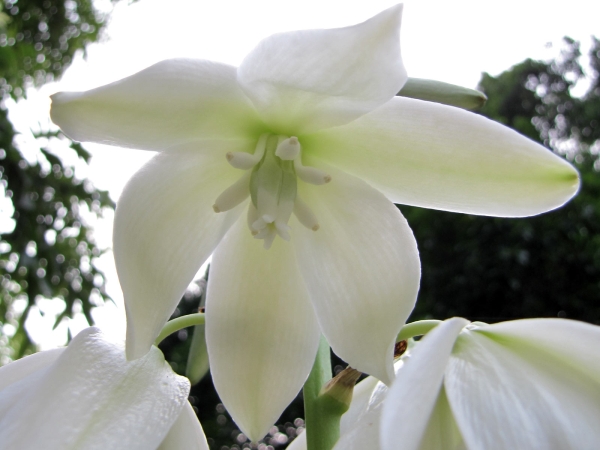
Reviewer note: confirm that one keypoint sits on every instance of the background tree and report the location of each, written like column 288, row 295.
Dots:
column 483, row 268
column 50, row 251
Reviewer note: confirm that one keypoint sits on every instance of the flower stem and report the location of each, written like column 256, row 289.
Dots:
column 322, row 413
column 180, row 323
column 418, row 328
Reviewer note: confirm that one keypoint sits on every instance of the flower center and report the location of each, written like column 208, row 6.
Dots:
column 271, row 181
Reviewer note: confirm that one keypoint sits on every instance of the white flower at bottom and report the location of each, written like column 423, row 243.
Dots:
column 87, row 396
column 525, row 384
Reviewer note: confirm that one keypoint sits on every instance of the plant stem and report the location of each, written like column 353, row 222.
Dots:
column 418, row 328
column 322, row 414
column 174, row 325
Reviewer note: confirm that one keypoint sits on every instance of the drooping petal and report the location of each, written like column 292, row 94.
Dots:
column 302, row 81
column 530, row 394
column 172, row 102
column 436, row 156
column 186, row 433
column 361, row 268
column 165, row 228
column 92, row 398
column 411, row 401
column 261, row 332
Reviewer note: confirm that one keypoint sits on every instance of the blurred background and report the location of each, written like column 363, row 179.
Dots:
column 57, row 196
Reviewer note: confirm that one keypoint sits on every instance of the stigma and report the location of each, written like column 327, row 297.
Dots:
column 271, row 181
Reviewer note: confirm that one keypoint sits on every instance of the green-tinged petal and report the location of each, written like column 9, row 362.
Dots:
column 411, row 401
column 508, row 394
column 92, row 398
column 569, row 342
column 21, row 368
column 169, row 103
column 436, row 156
column 261, row 332
column 186, row 433
column 361, row 268
column 313, row 79
column 165, row 228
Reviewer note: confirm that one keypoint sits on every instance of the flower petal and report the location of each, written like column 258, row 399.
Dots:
column 21, row 368
column 165, row 228
column 92, row 398
column 570, row 341
column 411, row 401
column 261, row 331
column 302, row 81
column 529, row 395
column 361, row 268
column 436, row 156
column 172, row 102
column 186, row 433
column 442, row 432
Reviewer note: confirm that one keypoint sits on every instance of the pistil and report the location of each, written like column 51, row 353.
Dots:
column 271, row 183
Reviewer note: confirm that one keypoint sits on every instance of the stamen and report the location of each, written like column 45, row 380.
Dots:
column 233, row 195
column 241, row 160
column 305, row 215
column 288, row 149
column 310, row 175
column 245, row 161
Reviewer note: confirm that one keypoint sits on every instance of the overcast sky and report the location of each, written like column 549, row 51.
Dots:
column 453, row 41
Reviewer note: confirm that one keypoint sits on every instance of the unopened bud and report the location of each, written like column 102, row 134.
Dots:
column 445, row 93
column 340, row 388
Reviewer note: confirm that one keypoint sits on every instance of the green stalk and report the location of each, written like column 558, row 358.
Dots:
column 418, row 328
column 322, row 413
column 180, row 323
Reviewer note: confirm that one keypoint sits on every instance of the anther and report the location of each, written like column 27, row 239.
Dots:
column 233, row 195
column 311, row 175
column 288, row 149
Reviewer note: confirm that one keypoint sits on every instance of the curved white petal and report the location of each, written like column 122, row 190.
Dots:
column 186, row 433
column 21, row 368
column 361, row 268
column 261, row 332
column 436, row 156
column 169, row 103
column 510, row 393
column 307, row 80
column 411, row 401
column 92, row 398
column 165, row 228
